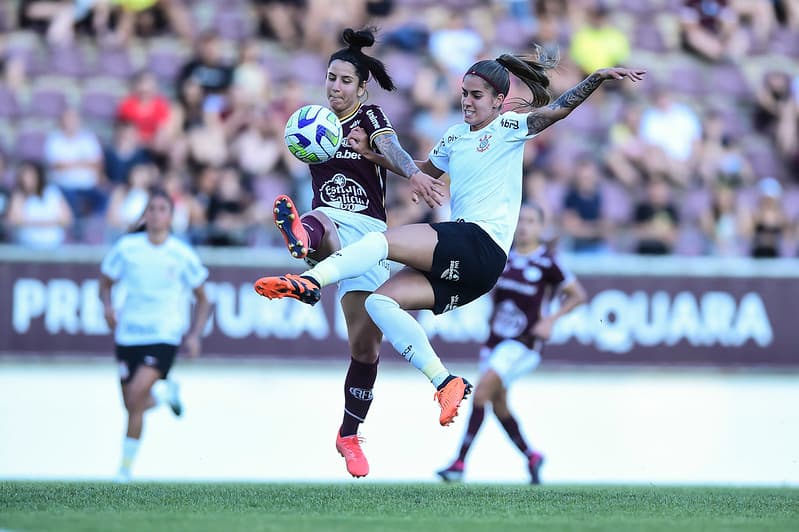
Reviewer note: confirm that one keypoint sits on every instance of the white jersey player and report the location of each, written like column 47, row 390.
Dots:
column 156, row 274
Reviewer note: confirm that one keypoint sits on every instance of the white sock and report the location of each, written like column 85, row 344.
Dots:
column 407, row 336
column 351, row 261
column 130, row 446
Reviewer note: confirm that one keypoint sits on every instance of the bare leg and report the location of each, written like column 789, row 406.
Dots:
column 138, row 399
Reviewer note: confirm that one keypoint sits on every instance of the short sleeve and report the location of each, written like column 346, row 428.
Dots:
column 194, row 273
column 557, row 275
column 513, row 127
column 376, row 123
column 113, row 265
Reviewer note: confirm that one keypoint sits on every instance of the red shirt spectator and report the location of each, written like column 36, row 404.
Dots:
column 145, row 108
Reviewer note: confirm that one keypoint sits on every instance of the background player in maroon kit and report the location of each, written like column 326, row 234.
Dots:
column 519, row 326
column 348, row 202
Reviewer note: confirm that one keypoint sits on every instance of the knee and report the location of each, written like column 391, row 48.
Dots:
column 376, row 303
column 364, row 350
column 136, row 400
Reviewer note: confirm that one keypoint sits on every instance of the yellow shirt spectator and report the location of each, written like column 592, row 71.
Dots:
column 595, row 47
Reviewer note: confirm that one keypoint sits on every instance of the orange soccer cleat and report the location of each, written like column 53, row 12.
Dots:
column 288, row 222
column 289, row 285
column 449, row 397
column 350, row 448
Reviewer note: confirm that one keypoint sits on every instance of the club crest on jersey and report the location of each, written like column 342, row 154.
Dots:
column 344, row 193
column 484, row 143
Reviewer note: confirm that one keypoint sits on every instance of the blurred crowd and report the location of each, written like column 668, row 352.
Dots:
column 102, row 99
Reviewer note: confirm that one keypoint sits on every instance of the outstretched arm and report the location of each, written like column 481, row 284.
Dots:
column 396, row 159
column 542, row 118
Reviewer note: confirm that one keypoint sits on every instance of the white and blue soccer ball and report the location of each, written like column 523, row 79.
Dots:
column 313, row 134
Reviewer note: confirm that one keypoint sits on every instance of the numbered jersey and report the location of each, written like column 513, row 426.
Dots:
column 348, row 181
column 523, row 293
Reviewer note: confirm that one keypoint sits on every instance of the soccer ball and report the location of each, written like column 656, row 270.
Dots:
column 313, row 134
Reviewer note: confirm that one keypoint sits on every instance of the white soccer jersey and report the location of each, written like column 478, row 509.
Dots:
column 156, row 284
column 485, row 169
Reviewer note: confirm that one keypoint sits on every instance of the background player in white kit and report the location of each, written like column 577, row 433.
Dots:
column 158, row 274
column 520, row 324
column 452, row 263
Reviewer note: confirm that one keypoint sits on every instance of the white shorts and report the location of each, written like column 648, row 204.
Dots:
column 510, row 360
column 351, row 227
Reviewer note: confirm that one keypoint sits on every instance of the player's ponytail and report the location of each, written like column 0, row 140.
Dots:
column 530, row 69
column 364, row 64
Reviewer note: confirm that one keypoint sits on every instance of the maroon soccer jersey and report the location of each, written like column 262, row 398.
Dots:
column 522, row 292
column 348, row 181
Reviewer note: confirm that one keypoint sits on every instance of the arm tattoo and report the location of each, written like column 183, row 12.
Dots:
column 540, row 119
column 389, row 146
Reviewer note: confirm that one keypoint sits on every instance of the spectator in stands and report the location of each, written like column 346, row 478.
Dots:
column 53, row 18
column 188, row 217
column 258, row 147
column 772, row 98
column 598, row 44
column 628, row 155
column 129, row 199
column 721, row 223
column 281, row 20
column 456, row 45
column 787, row 13
column 123, row 153
column 145, row 108
column 656, row 219
column 15, row 74
column 38, row 214
column 767, row 227
column 719, row 156
column 74, row 161
column 777, row 114
column 711, row 29
column 147, row 18
column 760, row 15
column 228, row 210
column 675, row 130
column 209, row 70
column 250, row 79
column 583, row 219
column 208, row 142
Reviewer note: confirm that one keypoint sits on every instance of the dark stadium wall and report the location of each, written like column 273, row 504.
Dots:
column 53, row 310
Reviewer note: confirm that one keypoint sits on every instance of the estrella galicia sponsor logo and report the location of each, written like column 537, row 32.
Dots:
column 362, row 394
column 344, row 193
column 509, row 123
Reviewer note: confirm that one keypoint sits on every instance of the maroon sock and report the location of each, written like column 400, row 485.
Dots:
column 357, row 395
column 315, row 230
column 512, row 428
column 475, row 421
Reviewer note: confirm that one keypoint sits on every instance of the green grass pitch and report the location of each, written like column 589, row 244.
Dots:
column 152, row 507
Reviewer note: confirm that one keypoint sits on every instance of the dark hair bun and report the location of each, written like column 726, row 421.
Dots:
column 358, row 39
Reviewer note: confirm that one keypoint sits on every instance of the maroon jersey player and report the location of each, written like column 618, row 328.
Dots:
column 520, row 324
column 349, row 181
column 349, row 202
